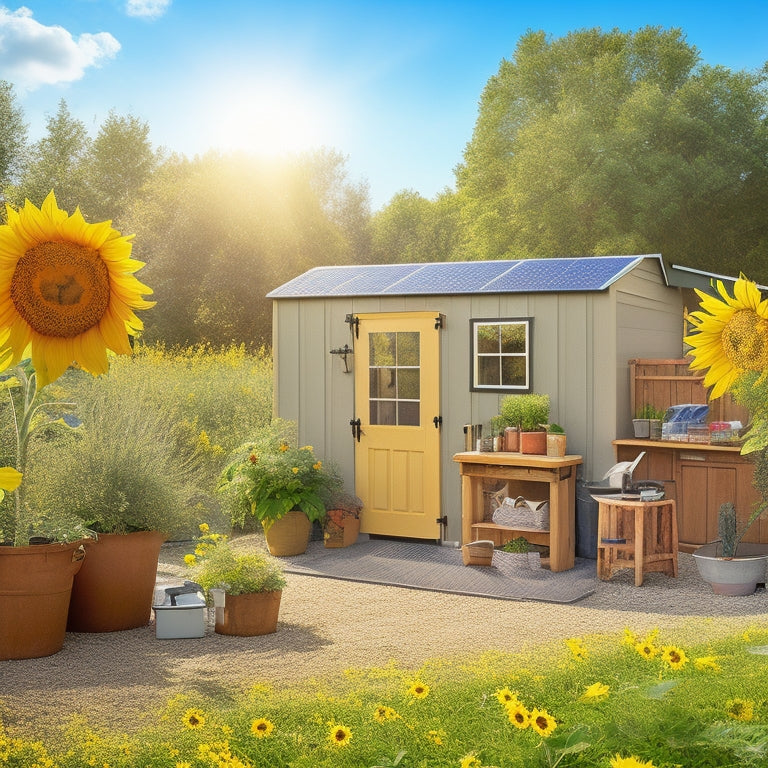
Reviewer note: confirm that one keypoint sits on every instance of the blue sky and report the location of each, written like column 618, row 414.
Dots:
column 394, row 86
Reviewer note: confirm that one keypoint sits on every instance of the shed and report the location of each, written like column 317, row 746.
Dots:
column 382, row 366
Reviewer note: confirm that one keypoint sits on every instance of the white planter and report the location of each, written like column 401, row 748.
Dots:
column 732, row 576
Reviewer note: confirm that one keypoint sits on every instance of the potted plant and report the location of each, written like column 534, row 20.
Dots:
column 647, row 423
column 556, row 441
column 534, row 417
column 74, row 295
column 342, row 521
column 252, row 585
column 730, row 341
column 282, row 486
column 517, row 553
column 512, row 415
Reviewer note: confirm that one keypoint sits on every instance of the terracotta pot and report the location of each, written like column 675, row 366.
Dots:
column 511, row 440
column 556, row 444
column 115, row 588
column 289, row 535
column 341, row 528
column 250, row 614
column 533, row 442
column 35, row 587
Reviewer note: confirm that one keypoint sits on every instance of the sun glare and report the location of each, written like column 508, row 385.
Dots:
column 269, row 119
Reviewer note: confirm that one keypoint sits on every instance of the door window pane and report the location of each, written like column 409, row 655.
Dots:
column 394, row 378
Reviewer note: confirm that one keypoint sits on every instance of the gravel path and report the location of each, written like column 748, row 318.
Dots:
column 121, row 679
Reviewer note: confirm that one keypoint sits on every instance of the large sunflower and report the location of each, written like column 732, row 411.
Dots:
column 731, row 336
column 67, row 290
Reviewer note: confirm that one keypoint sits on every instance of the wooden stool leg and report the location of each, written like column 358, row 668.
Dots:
column 639, row 545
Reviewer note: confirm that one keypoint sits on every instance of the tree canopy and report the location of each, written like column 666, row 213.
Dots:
column 615, row 142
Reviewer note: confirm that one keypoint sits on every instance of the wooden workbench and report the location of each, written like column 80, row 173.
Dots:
column 531, row 476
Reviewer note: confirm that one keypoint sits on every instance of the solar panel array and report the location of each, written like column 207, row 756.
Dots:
column 594, row 273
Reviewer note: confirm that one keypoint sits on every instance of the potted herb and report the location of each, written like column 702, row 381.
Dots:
column 556, row 441
column 517, row 553
column 342, row 522
column 280, row 485
column 74, row 295
column 512, row 416
column 647, row 422
column 730, row 342
column 252, row 584
column 533, row 420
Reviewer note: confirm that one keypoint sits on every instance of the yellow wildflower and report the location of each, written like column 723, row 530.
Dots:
column 595, row 692
column 576, row 647
column 542, row 722
column 703, row 663
column 740, row 709
column 674, row 656
column 419, row 690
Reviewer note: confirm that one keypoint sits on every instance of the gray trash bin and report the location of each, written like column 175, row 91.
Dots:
column 586, row 521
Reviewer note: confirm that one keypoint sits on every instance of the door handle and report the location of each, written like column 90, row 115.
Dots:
column 356, row 431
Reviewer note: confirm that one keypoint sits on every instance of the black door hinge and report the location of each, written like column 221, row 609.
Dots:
column 354, row 323
column 438, row 422
column 442, row 520
column 356, row 431
column 439, row 322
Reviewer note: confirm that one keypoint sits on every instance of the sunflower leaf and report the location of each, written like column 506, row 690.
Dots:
column 660, row 690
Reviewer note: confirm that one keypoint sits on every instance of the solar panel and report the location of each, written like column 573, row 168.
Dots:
column 449, row 277
column 594, row 273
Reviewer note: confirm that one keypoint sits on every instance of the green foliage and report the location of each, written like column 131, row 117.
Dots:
column 13, row 136
column 726, row 528
column 710, row 711
column 512, row 411
column 534, row 411
column 269, row 477
column 618, row 142
column 520, row 544
column 648, row 411
column 219, row 566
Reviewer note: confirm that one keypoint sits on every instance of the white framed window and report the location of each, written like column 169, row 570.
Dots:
column 501, row 354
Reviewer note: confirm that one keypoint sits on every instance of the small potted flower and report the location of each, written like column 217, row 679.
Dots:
column 282, row 486
column 252, row 585
column 342, row 522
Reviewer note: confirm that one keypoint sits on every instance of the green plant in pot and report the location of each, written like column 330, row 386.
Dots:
column 511, row 414
column 250, row 583
column 68, row 292
column 556, row 440
column 281, row 485
column 730, row 342
column 533, row 420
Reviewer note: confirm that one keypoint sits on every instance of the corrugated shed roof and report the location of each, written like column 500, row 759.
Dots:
column 588, row 273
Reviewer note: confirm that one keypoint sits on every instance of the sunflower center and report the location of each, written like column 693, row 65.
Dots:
column 60, row 289
column 745, row 341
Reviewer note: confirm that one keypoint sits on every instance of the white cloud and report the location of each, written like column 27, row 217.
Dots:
column 32, row 54
column 147, row 8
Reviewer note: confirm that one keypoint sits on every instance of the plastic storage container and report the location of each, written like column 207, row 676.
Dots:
column 182, row 612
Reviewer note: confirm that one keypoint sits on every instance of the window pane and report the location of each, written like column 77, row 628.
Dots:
column 408, row 414
column 488, row 373
column 487, row 338
column 408, row 383
column 381, row 349
column 513, row 338
column 408, row 348
column 382, row 382
column 383, row 412
column 513, row 371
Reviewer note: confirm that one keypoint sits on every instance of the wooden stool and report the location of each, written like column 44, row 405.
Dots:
column 636, row 534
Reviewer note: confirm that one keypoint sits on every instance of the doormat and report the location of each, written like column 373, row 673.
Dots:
column 418, row 565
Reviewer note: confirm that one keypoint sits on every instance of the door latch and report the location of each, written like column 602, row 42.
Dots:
column 356, row 431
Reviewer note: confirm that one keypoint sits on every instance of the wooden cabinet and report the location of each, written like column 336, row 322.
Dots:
column 531, row 476
column 700, row 478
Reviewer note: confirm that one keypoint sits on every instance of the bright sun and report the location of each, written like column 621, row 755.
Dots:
column 269, row 119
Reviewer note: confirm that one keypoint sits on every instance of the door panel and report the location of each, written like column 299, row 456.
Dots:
column 397, row 396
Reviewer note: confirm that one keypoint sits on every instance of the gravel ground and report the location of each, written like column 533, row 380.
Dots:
column 122, row 679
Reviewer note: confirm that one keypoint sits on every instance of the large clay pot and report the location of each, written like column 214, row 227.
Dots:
column 254, row 613
column 35, row 588
column 289, row 535
column 115, row 588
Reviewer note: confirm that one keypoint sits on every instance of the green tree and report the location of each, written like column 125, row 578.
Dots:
column 219, row 232
column 13, row 137
column 119, row 163
column 613, row 142
column 58, row 162
column 412, row 229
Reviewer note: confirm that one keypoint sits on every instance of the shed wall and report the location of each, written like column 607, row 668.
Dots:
column 582, row 342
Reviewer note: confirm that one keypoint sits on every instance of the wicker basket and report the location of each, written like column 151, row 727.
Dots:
column 521, row 512
column 478, row 552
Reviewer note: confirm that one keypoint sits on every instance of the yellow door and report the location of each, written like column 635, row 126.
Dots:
column 397, row 402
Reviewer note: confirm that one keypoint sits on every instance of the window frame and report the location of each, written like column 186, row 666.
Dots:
column 474, row 386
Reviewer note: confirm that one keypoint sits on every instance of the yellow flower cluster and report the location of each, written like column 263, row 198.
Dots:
column 521, row 717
